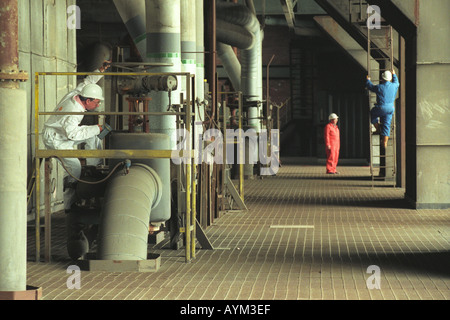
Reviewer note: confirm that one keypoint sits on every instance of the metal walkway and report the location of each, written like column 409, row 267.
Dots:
column 306, row 236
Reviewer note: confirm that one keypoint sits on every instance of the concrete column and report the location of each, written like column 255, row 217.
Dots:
column 433, row 111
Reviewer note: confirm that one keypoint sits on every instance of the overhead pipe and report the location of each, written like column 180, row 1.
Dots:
column 133, row 16
column 13, row 155
column 251, row 58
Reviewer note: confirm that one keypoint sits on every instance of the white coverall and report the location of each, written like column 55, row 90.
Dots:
column 63, row 132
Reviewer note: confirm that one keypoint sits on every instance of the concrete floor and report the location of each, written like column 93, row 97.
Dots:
column 306, row 236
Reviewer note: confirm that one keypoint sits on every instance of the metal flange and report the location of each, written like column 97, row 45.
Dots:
column 21, row 76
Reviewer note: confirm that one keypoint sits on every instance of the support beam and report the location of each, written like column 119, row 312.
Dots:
column 288, row 10
column 343, row 39
column 356, row 32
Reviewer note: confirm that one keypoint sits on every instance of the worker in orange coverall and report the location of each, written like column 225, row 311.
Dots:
column 332, row 143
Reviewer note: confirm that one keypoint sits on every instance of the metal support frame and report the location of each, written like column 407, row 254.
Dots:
column 228, row 185
column 111, row 154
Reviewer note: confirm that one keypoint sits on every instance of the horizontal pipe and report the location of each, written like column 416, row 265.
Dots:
column 115, row 154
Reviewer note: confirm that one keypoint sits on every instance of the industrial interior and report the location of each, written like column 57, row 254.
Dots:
column 212, row 181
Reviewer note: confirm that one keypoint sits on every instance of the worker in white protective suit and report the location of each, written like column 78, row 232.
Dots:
column 64, row 132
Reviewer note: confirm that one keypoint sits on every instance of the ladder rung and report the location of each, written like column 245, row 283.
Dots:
column 382, row 25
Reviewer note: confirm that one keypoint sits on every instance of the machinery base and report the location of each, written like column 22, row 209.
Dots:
column 90, row 263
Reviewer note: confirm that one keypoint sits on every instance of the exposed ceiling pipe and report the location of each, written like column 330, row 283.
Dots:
column 251, row 59
column 235, row 35
column 13, row 155
column 133, row 16
column 230, row 63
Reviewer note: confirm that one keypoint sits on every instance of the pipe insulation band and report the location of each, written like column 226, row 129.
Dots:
column 13, row 189
column 125, row 218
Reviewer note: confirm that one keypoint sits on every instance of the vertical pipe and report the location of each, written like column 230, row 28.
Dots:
column 188, row 37
column 37, row 172
column 163, row 46
column 241, row 160
column 188, row 179
column 210, row 12
column 13, row 156
column 200, row 70
column 48, row 218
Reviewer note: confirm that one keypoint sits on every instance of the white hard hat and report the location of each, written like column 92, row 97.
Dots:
column 387, row 75
column 92, row 91
column 332, row 116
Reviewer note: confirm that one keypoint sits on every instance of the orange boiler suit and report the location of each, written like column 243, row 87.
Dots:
column 332, row 139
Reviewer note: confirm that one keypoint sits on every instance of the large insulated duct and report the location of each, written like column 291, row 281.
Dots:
column 134, row 200
column 133, row 15
column 129, row 198
column 13, row 156
column 251, row 58
column 230, row 63
column 164, row 46
column 149, row 141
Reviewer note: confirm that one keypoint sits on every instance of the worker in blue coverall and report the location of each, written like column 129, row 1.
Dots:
column 384, row 108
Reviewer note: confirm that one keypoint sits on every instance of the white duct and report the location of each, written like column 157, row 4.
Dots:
column 230, row 63
column 133, row 16
column 164, row 46
column 251, row 58
column 129, row 199
column 188, row 38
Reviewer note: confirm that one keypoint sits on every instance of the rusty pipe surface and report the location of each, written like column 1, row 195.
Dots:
column 9, row 45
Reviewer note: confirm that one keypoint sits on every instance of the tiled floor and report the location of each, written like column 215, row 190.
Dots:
column 307, row 235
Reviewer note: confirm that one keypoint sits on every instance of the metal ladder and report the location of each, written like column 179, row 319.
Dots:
column 385, row 159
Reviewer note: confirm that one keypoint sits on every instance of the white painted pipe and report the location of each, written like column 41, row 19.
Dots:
column 251, row 58
column 164, row 46
column 13, row 189
column 133, row 16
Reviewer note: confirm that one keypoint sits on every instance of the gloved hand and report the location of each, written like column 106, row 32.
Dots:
column 104, row 131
